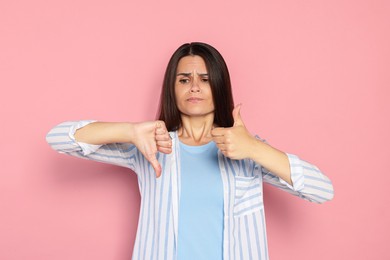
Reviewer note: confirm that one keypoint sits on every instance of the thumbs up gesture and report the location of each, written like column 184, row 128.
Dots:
column 234, row 142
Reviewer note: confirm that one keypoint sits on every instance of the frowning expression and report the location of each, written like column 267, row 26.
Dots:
column 192, row 87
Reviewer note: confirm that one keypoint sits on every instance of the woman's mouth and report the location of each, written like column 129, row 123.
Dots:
column 194, row 99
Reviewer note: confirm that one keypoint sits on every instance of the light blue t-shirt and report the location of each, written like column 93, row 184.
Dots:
column 200, row 231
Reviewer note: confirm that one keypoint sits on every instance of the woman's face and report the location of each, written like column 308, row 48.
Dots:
column 192, row 88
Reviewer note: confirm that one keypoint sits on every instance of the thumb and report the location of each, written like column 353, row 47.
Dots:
column 156, row 166
column 237, row 116
column 151, row 157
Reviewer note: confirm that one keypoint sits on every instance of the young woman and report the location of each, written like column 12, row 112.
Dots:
column 200, row 171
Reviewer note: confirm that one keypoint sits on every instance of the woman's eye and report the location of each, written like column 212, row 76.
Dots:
column 205, row 80
column 184, row 81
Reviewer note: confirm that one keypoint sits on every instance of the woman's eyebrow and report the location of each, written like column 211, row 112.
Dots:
column 187, row 74
column 183, row 74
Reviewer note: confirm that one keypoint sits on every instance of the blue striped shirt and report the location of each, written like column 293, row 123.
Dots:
column 244, row 234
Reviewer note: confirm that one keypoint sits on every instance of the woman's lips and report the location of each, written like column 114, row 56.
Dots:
column 194, row 99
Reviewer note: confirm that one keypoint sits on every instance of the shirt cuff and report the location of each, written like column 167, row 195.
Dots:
column 296, row 170
column 85, row 148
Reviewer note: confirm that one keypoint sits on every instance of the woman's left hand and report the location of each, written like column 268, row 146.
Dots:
column 234, row 142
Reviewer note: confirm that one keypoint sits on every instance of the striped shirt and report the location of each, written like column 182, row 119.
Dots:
column 244, row 232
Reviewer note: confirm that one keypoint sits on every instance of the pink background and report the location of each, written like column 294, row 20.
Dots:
column 313, row 77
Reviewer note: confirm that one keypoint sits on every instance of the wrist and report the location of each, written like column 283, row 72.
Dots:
column 257, row 150
column 129, row 130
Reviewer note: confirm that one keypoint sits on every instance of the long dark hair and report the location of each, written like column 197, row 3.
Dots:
column 219, row 81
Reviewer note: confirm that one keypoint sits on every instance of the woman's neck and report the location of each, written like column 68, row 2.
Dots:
column 196, row 130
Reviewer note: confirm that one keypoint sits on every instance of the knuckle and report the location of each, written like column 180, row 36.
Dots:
column 162, row 123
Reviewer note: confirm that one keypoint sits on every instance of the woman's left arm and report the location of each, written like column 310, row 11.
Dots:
column 280, row 169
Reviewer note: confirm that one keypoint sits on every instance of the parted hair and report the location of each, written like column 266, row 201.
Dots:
column 219, row 80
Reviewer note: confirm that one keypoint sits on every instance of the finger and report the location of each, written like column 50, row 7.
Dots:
column 221, row 147
column 219, row 139
column 164, row 137
column 161, row 131
column 223, row 152
column 156, row 166
column 165, row 150
column 167, row 144
column 161, row 125
column 150, row 155
column 237, row 116
column 218, row 131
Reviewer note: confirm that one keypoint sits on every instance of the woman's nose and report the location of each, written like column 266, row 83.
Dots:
column 195, row 87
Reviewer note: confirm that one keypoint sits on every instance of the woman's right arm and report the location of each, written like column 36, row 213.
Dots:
column 112, row 142
column 99, row 133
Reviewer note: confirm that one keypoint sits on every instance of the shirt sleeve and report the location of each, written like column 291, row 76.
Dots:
column 308, row 182
column 61, row 138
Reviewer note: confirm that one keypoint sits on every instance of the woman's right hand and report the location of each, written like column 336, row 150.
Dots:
column 150, row 137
